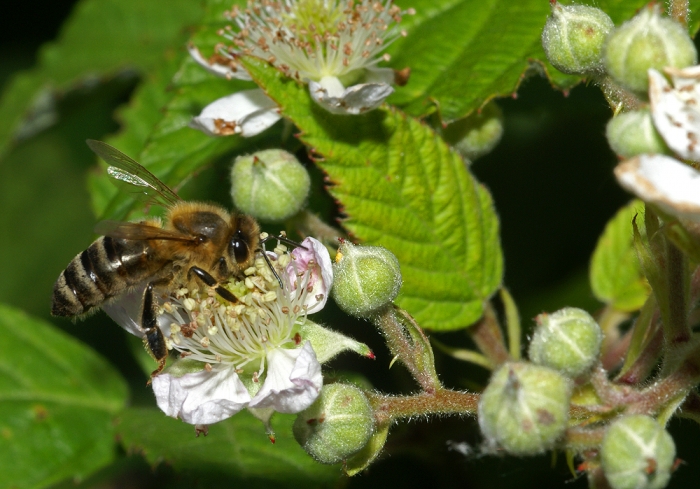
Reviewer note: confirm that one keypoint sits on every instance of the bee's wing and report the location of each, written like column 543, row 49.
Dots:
column 124, row 169
column 126, row 310
column 139, row 231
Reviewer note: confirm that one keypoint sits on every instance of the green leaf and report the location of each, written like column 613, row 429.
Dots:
column 156, row 123
column 402, row 188
column 615, row 274
column 236, row 450
column 57, row 401
column 102, row 38
column 462, row 53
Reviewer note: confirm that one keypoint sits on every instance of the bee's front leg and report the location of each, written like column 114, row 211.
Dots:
column 207, row 278
column 154, row 339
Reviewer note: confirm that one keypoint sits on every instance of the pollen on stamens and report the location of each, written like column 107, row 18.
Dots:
column 301, row 37
column 189, row 304
column 266, row 317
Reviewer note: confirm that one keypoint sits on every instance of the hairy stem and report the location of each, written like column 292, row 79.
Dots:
column 488, row 337
column 580, row 438
column 408, row 343
column 442, row 401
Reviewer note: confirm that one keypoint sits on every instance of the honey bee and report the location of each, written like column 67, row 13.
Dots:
column 197, row 242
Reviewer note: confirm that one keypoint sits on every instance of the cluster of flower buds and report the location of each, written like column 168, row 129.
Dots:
column 524, row 410
column 583, row 40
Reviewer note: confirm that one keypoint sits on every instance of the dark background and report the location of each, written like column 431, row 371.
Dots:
column 551, row 179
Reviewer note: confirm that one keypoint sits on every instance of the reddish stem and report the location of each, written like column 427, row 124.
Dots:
column 488, row 337
column 442, row 401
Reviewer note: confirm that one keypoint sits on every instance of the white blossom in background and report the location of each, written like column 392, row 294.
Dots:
column 663, row 181
column 671, row 185
column 248, row 354
column 332, row 45
column 675, row 109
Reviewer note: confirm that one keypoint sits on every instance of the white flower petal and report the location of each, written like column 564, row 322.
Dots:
column 293, row 380
column 671, row 185
column 313, row 257
column 219, row 65
column 354, row 100
column 248, row 112
column 676, row 111
column 201, row 397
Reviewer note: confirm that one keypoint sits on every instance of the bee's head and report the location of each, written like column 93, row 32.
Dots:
column 244, row 240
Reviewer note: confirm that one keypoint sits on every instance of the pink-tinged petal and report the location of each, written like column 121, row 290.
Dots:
column 293, row 380
column 676, row 111
column 354, row 100
column 311, row 257
column 219, row 65
column 248, row 112
column 202, row 397
column 663, row 181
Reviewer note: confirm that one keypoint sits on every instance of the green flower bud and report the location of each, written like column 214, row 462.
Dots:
column 637, row 453
column 337, row 425
column 477, row 134
column 366, row 278
column 647, row 41
column 525, row 408
column 633, row 133
column 270, row 185
column 573, row 38
column 567, row 340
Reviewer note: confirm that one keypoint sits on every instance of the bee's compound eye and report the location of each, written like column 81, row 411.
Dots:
column 238, row 247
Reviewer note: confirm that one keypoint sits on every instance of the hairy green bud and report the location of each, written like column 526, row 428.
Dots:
column 573, row 38
column 525, row 408
column 567, row 340
column 647, row 41
column 633, row 133
column 270, row 185
column 366, row 278
column 637, row 453
column 337, row 425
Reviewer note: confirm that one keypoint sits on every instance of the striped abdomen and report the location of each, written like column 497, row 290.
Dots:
column 106, row 269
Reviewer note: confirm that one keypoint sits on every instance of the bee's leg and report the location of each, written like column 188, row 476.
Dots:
column 154, row 338
column 206, row 277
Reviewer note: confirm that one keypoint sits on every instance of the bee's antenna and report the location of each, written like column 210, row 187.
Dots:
column 282, row 238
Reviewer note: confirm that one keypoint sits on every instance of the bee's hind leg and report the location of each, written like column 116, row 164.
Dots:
column 154, row 339
column 207, row 278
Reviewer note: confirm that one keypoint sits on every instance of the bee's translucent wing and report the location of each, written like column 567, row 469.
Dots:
column 126, row 309
column 139, row 231
column 125, row 170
